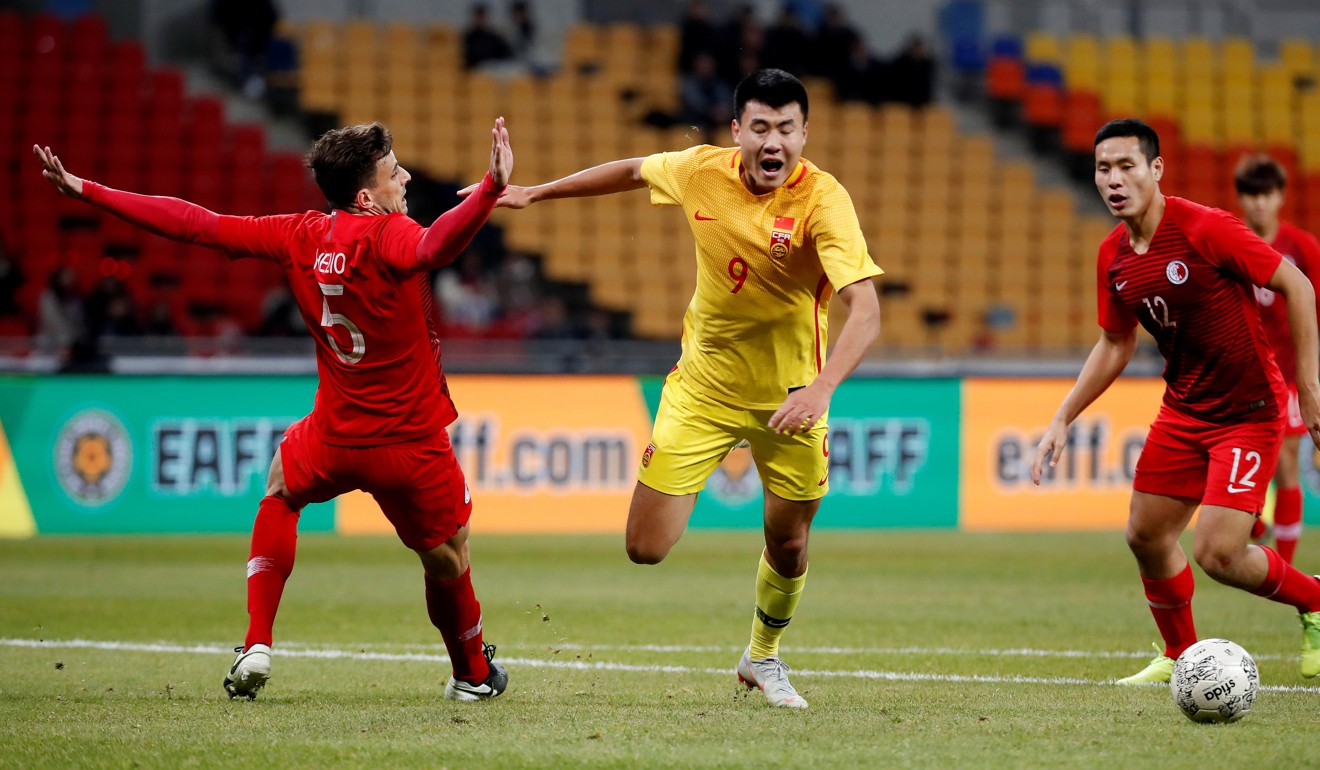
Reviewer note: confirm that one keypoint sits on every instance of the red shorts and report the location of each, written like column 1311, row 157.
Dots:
column 1226, row 465
column 418, row 485
column 1293, row 424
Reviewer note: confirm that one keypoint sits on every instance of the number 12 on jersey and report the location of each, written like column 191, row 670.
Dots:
column 329, row 319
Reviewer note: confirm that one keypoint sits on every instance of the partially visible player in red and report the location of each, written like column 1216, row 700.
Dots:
column 359, row 275
column 1186, row 273
column 1260, row 182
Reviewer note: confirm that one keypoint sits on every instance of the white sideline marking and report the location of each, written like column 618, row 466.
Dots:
column 1024, row 652
column 293, row 651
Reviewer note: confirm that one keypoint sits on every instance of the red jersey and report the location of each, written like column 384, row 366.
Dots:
column 1193, row 291
column 1303, row 250
column 362, row 287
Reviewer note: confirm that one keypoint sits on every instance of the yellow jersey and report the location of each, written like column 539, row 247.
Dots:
column 767, row 266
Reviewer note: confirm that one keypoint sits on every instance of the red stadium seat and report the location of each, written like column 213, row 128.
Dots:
column 1006, row 78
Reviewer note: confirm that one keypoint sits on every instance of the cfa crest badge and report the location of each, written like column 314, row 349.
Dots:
column 646, row 456
column 781, row 235
column 93, row 457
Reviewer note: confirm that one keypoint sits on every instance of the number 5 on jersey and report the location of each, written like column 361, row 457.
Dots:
column 329, row 319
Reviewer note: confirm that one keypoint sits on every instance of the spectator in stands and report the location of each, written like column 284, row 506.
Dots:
column 741, row 41
column 465, row 295
column 696, row 36
column 59, row 313
column 705, row 98
column 863, row 76
column 247, row 27
column 481, row 43
column 787, row 46
column 11, row 277
column 109, row 310
column 834, row 45
column 280, row 316
column 160, row 321
column 911, row 75
column 555, row 322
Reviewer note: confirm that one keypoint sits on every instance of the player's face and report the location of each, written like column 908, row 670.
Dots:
column 391, row 181
column 1262, row 209
column 771, row 142
column 1127, row 181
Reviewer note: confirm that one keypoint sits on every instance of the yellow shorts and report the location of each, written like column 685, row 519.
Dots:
column 693, row 434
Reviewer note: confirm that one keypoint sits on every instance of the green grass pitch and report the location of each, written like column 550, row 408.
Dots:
column 915, row 649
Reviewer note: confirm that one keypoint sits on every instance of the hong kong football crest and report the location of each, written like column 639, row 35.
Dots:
column 1177, row 272
column 781, row 237
column 93, row 457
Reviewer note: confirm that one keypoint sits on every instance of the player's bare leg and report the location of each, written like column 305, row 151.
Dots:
column 1288, row 499
column 270, row 562
column 780, row 578
column 655, row 523
column 454, row 611
column 1154, row 524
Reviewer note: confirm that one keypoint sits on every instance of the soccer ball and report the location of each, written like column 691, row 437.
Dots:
column 1214, row 680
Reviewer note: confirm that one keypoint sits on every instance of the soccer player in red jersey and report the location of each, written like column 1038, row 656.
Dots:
column 1186, row 273
column 359, row 275
column 1260, row 182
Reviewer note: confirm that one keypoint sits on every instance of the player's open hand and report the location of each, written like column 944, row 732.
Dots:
column 1051, row 447
column 801, row 410
column 501, row 155
column 53, row 170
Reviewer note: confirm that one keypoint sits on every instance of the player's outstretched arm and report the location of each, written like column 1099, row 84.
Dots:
column 53, row 171
column 615, row 176
column 804, row 407
column 1108, row 359
column 1300, row 295
column 453, row 230
column 171, row 217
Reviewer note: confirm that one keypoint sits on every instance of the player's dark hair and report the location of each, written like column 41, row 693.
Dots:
column 1257, row 174
column 344, row 160
column 1147, row 139
column 771, row 87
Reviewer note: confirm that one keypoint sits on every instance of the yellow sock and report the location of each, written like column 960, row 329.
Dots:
column 776, row 599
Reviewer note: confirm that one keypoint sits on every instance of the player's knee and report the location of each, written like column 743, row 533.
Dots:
column 645, row 553
column 1219, row 560
column 1143, row 542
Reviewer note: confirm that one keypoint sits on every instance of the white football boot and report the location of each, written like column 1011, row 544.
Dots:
column 771, row 676
column 249, row 673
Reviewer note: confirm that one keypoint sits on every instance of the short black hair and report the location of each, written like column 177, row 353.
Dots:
column 1147, row 139
column 1258, row 174
column 344, row 161
column 772, row 87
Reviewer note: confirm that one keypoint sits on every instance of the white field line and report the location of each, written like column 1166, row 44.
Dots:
column 291, row 651
column 1022, row 652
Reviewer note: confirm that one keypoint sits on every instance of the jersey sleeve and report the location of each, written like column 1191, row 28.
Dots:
column 834, row 229
column 1228, row 243
column 397, row 243
column 667, row 174
column 265, row 237
column 1112, row 315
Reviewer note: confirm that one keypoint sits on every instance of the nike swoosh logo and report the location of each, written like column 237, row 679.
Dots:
column 1232, row 490
column 697, row 216
column 1119, row 286
column 821, row 483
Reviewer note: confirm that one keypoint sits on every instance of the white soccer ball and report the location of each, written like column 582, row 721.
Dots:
column 1214, row 680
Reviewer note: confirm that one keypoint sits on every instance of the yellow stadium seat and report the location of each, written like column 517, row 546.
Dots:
column 1239, row 56
column 1043, row 48
column 1296, row 56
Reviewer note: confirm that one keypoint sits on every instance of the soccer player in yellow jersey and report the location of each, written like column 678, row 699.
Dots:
column 776, row 236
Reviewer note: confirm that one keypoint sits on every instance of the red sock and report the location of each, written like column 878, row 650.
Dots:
column 454, row 610
column 1288, row 522
column 274, row 541
column 1170, row 602
column 1286, row 584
